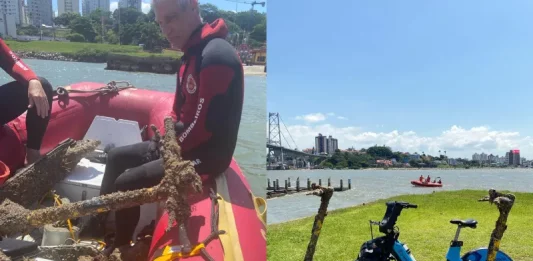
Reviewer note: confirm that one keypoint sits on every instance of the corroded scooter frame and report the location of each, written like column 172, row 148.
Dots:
column 388, row 247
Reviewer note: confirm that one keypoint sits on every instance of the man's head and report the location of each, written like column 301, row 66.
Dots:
column 177, row 19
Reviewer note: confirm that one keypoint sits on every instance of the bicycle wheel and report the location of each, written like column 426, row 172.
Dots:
column 480, row 254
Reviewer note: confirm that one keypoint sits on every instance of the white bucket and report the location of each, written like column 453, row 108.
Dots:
column 54, row 236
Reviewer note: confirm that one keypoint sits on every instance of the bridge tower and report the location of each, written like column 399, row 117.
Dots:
column 274, row 135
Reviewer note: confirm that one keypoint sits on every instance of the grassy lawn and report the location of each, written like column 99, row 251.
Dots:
column 426, row 230
column 73, row 47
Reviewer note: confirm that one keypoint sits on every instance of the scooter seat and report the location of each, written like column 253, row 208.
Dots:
column 16, row 248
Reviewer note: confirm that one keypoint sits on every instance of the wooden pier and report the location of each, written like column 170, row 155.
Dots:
column 275, row 190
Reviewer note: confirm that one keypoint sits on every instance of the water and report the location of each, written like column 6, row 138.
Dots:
column 370, row 185
column 250, row 146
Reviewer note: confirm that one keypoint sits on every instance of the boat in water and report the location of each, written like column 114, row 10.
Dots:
column 433, row 184
column 122, row 116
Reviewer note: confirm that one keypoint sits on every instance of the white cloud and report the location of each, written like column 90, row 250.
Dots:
column 113, row 6
column 457, row 141
column 312, row 117
column 145, row 7
column 318, row 117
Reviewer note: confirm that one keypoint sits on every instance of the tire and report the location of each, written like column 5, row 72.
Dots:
column 480, row 254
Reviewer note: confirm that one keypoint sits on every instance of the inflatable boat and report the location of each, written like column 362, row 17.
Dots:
column 419, row 183
column 122, row 115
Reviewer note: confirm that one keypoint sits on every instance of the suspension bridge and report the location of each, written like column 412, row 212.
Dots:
column 285, row 155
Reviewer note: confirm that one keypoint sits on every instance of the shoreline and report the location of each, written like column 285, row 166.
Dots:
column 252, row 70
column 411, row 169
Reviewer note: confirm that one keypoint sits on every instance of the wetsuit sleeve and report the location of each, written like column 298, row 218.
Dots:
column 211, row 139
column 14, row 66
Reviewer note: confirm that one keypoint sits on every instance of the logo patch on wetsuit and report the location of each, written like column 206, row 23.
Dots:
column 191, row 84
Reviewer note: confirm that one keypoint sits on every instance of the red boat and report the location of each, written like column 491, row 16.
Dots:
column 240, row 214
column 419, row 183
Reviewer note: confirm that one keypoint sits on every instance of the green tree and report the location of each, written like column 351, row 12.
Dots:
column 380, row 152
column 150, row 37
column 259, row 32
column 82, row 25
column 75, row 37
column 66, row 18
column 414, row 163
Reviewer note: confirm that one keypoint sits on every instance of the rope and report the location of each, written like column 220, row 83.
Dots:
column 171, row 252
column 111, row 87
column 57, row 200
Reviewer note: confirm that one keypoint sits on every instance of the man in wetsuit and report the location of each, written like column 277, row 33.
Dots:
column 27, row 93
column 207, row 110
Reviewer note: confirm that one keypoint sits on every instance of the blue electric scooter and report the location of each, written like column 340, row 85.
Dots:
column 388, row 247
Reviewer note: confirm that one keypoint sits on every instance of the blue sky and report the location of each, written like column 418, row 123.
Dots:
column 390, row 67
column 222, row 4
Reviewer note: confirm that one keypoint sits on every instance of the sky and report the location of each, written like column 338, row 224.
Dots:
column 413, row 75
column 221, row 4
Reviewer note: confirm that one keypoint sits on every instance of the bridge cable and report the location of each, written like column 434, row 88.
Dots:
column 283, row 136
column 288, row 131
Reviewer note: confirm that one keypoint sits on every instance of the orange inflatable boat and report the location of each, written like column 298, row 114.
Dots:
column 227, row 203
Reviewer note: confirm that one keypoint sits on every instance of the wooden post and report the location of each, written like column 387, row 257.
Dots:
column 320, row 182
column 329, row 182
column 504, row 202
column 298, row 184
column 325, row 195
column 342, row 189
column 308, row 184
column 268, row 183
column 286, row 185
column 289, row 182
column 277, row 184
column 349, row 183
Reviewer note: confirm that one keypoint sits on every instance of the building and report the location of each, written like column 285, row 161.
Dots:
column 514, row 157
column 9, row 17
column 8, row 26
column 483, row 157
column 476, row 157
column 320, row 144
column 325, row 145
column 68, row 6
column 258, row 56
column 136, row 4
column 40, row 12
column 11, row 9
column 88, row 6
column 331, row 145
column 415, row 156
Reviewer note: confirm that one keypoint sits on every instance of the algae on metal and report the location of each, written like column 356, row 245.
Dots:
column 29, row 184
column 325, row 194
column 505, row 203
column 179, row 175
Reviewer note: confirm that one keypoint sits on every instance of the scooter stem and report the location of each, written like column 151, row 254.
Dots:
column 504, row 202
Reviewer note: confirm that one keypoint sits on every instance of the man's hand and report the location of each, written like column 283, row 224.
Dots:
column 37, row 98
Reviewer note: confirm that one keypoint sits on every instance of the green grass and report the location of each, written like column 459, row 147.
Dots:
column 73, row 48
column 426, row 230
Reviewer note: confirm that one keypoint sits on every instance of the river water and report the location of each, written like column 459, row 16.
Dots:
column 370, row 185
column 250, row 147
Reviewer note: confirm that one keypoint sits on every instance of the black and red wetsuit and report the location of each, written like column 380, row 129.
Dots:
column 14, row 100
column 208, row 102
column 14, row 66
column 209, row 99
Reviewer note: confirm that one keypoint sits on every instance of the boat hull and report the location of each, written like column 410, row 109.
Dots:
column 72, row 116
column 423, row 184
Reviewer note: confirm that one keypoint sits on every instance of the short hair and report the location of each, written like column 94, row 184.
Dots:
column 183, row 4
